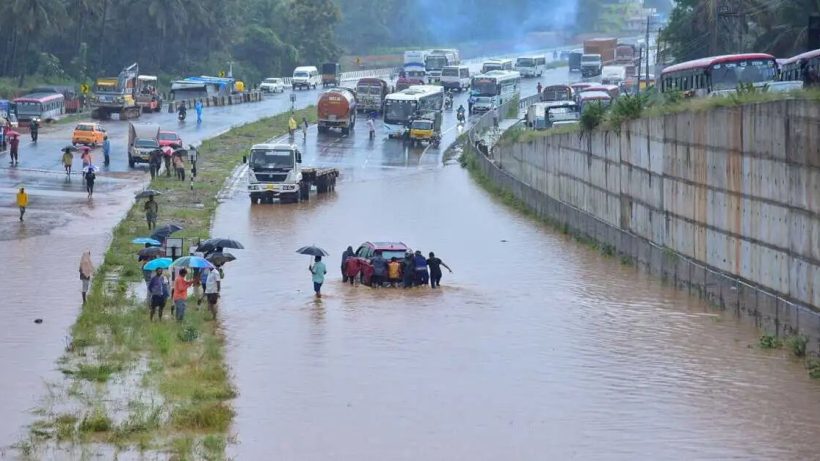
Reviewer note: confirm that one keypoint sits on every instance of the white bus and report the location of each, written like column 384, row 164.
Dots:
column 437, row 60
column 496, row 64
column 531, row 66
column 493, row 88
column 399, row 108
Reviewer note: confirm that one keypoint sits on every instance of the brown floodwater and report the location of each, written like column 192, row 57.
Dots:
column 535, row 347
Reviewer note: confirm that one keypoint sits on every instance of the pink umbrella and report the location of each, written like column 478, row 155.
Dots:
column 12, row 133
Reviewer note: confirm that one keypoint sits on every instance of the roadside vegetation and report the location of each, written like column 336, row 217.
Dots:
column 133, row 384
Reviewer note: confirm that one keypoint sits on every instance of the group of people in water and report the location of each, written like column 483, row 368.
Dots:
column 413, row 270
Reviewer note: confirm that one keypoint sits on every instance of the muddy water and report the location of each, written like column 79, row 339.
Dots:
column 535, row 345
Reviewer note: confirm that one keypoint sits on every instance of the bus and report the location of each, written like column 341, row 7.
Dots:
column 719, row 74
column 401, row 107
column 531, row 66
column 493, row 89
column 496, row 64
column 44, row 106
column 436, row 60
column 803, row 68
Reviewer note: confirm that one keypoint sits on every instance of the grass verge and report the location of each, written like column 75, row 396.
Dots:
column 160, row 386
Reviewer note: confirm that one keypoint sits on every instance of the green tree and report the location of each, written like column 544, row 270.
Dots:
column 311, row 30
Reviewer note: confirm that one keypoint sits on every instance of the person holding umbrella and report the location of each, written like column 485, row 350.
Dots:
column 151, row 209
column 318, row 270
column 86, row 156
column 181, row 285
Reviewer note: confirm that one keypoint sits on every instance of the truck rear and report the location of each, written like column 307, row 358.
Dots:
column 603, row 46
column 336, row 109
column 330, row 74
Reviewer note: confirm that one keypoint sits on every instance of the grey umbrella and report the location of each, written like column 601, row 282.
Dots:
column 151, row 252
column 147, row 193
column 208, row 246
column 163, row 232
column 218, row 259
column 312, row 251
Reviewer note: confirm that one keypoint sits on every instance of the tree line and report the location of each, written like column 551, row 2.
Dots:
column 697, row 28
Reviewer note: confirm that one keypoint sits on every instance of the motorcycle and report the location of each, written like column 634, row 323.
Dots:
column 460, row 116
column 448, row 102
column 181, row 116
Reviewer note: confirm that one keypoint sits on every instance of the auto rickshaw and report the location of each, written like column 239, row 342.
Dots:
column 426, row 129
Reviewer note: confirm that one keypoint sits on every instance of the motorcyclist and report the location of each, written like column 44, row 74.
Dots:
column 183, row 111
column 449, row 101
column 34, row 127
column 460, row 113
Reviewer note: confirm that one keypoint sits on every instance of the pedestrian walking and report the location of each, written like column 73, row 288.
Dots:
column 180, row 297
column 495, row 117
column 155, row 162
column 106, row 148
column 90, row 177
column 394, row 272
column 291, row 125
column 14, row 145
column 348, row 253
column 86, row 157
column 179, row 166
column 304, row 128
column 86, row 271
column 422, row 277
column 435, row 270
column 371, row 128
column 408, row 269
column 198, row 108
column 159, row 291
column 318, row 270
column 22, row 202
column 167, row 153
column 305, row 123
column 379, row 270
column 212, row 290
column 539, row 88
column 68, row 160
column 151, row 209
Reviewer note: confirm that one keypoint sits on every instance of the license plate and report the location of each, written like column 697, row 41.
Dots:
column 332, row 117
column 270, row 187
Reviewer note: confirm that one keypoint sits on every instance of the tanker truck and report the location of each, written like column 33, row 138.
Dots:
column 337, row 109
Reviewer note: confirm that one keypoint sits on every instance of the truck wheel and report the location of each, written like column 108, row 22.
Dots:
column 345, row 131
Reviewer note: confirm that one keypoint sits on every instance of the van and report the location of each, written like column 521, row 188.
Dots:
column 455, row 77
column 143, row 140
column 306, row 77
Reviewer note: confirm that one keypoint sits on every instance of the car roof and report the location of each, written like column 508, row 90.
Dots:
column 391, row 246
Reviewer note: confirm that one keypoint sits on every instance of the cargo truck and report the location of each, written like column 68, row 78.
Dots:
column 336, row 109
column 330, row 74
column 603, row 46
column 275, row 172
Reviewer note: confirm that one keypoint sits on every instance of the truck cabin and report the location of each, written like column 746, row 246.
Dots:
column 274, row 157
column 557, row 93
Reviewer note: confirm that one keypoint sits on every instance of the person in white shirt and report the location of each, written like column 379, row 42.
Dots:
column 212, row 288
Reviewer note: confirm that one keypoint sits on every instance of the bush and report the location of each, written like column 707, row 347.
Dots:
column 627, row 107
column 592, row 116
column 770, row 342
column 797, row 344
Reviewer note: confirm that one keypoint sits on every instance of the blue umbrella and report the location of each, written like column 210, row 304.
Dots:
column 159, row 263
column 194, row 262
column 148, row 240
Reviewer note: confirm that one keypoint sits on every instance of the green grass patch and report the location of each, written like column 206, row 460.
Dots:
column 770, row 342
column 185, row 361
column 797, row 344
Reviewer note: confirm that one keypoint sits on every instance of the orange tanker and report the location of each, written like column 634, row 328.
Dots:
column 337, row 109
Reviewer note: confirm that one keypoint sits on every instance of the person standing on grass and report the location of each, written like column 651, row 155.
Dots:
column 86, row 271
column 318, row 270
column 179, row 166
column 158, row 290
column 22, row 202
column 181, row 286
column 151, row 210
column 435, row 270
column 212, row 289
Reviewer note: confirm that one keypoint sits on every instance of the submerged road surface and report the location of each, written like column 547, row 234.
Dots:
column 535, row 348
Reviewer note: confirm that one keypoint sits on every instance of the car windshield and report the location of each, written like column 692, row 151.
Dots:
column 146, row 144
column 525, row 62
column 726, row 76
column 590, row 58
column 388, row 255
column 85, row 128
column 168, row 137
column 271, row 158
column 300, row 74
column 485, row 86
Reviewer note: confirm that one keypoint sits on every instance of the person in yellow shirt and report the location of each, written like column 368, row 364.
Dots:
column 22, row 202
column 394, row 272
column 292, row 125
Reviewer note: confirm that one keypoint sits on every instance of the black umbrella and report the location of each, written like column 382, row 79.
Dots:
column 312, row 251
column 163, row 232
column 181, row 152
column 208, row 246
column 219, row 258
column 69, row 149
column 151, row 252
column 147, row 193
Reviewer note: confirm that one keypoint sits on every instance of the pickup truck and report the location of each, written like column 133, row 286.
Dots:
column 143, row 140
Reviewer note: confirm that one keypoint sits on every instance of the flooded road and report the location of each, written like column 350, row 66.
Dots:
column 535, row 345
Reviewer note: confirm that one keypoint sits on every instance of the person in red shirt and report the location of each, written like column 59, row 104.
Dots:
column 14, row 143
column 352, row 268
column 181, row 286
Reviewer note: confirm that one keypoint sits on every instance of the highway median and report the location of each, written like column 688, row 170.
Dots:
column 156, row 387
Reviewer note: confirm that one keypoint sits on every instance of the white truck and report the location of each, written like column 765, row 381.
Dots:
column 275, row 171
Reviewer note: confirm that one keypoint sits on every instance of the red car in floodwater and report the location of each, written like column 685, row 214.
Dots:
column 169, row 138
column 367, row 250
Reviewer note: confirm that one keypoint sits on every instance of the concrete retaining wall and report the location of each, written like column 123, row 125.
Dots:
column 251, row 96
column 724, row 203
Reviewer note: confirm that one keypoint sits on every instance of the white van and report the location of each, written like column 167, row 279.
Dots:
column 306, row 77
column 455, row 77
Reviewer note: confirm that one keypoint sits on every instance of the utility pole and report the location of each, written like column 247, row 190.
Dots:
column 648, row 18
column 728, row 26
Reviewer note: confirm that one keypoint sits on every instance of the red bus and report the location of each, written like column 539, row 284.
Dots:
column 803, row 67
column 719, row 74
column 45, row 106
